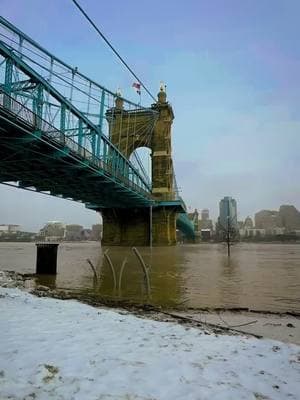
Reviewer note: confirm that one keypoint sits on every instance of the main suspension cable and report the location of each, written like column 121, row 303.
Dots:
column 112, row 48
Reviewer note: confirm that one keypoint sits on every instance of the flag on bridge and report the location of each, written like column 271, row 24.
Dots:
column 137, row 86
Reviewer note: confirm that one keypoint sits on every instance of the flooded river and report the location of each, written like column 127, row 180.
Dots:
column 257, row 276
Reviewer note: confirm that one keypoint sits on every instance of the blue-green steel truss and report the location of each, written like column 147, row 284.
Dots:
column 41, row 155
column 53, row 131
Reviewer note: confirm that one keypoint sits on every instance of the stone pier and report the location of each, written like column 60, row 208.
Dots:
column 131, row 226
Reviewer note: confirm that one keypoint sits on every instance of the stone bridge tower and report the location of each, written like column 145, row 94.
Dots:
column 128, row 227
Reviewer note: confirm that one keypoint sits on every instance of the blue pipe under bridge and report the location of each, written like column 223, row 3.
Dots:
column 185, row 225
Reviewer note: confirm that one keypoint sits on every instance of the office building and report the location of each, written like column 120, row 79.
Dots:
column 289, row 218
column 205, row 214
column 267, row 219
column 228, row 213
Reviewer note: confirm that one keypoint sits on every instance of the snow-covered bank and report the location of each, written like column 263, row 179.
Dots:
column 53, row 349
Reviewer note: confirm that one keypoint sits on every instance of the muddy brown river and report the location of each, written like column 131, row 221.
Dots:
column 257, row 276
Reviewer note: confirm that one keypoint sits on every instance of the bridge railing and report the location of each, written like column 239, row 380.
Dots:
column 15, row 112
column 89, row 97
column 87, row 94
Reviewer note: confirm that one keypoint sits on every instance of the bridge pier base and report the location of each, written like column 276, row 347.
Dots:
column 46, row 258
column 132, row 227
column 164, row 226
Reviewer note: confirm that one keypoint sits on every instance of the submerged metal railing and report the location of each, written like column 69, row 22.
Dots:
column 117, row 284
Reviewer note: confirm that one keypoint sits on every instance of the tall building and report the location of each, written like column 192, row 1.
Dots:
column 289, row 217
column 267, row 219
column 205, row 223
column 228, row 213
column 205, row 214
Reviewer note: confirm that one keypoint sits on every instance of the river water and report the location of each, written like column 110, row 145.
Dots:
column 257, row 276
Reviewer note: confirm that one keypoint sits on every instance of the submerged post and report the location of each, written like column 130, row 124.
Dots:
column 46, row 258
column 150, row 228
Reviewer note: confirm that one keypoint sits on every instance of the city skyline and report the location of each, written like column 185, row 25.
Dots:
column 204, row 215
column 232, row 87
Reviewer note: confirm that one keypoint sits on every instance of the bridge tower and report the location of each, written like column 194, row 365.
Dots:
column 135, row 226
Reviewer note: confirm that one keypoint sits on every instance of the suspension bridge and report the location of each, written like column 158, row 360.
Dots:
column 65, row 135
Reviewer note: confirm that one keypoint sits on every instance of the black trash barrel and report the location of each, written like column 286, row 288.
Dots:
column 46, row 258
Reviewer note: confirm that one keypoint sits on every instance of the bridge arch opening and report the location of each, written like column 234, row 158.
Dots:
column 141, row 158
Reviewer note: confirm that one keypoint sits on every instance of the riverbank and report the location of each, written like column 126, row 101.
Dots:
column 64, row 349
column 277, row 326
column 284, row 327
column 55, row 349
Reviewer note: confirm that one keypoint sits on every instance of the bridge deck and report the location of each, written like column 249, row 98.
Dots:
column 36, row 160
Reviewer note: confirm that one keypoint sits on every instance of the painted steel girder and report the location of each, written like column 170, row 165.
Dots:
column 20, row 86
column 128, row 196
column 86, row 193
column 33, row 75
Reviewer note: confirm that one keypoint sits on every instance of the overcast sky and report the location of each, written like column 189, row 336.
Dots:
column 232, row 70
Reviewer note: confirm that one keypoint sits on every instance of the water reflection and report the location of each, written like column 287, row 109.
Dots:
column 163, row 266
column 230, row 289
column 258, row 276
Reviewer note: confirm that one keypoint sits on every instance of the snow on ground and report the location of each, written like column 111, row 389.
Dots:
column 54, row 349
